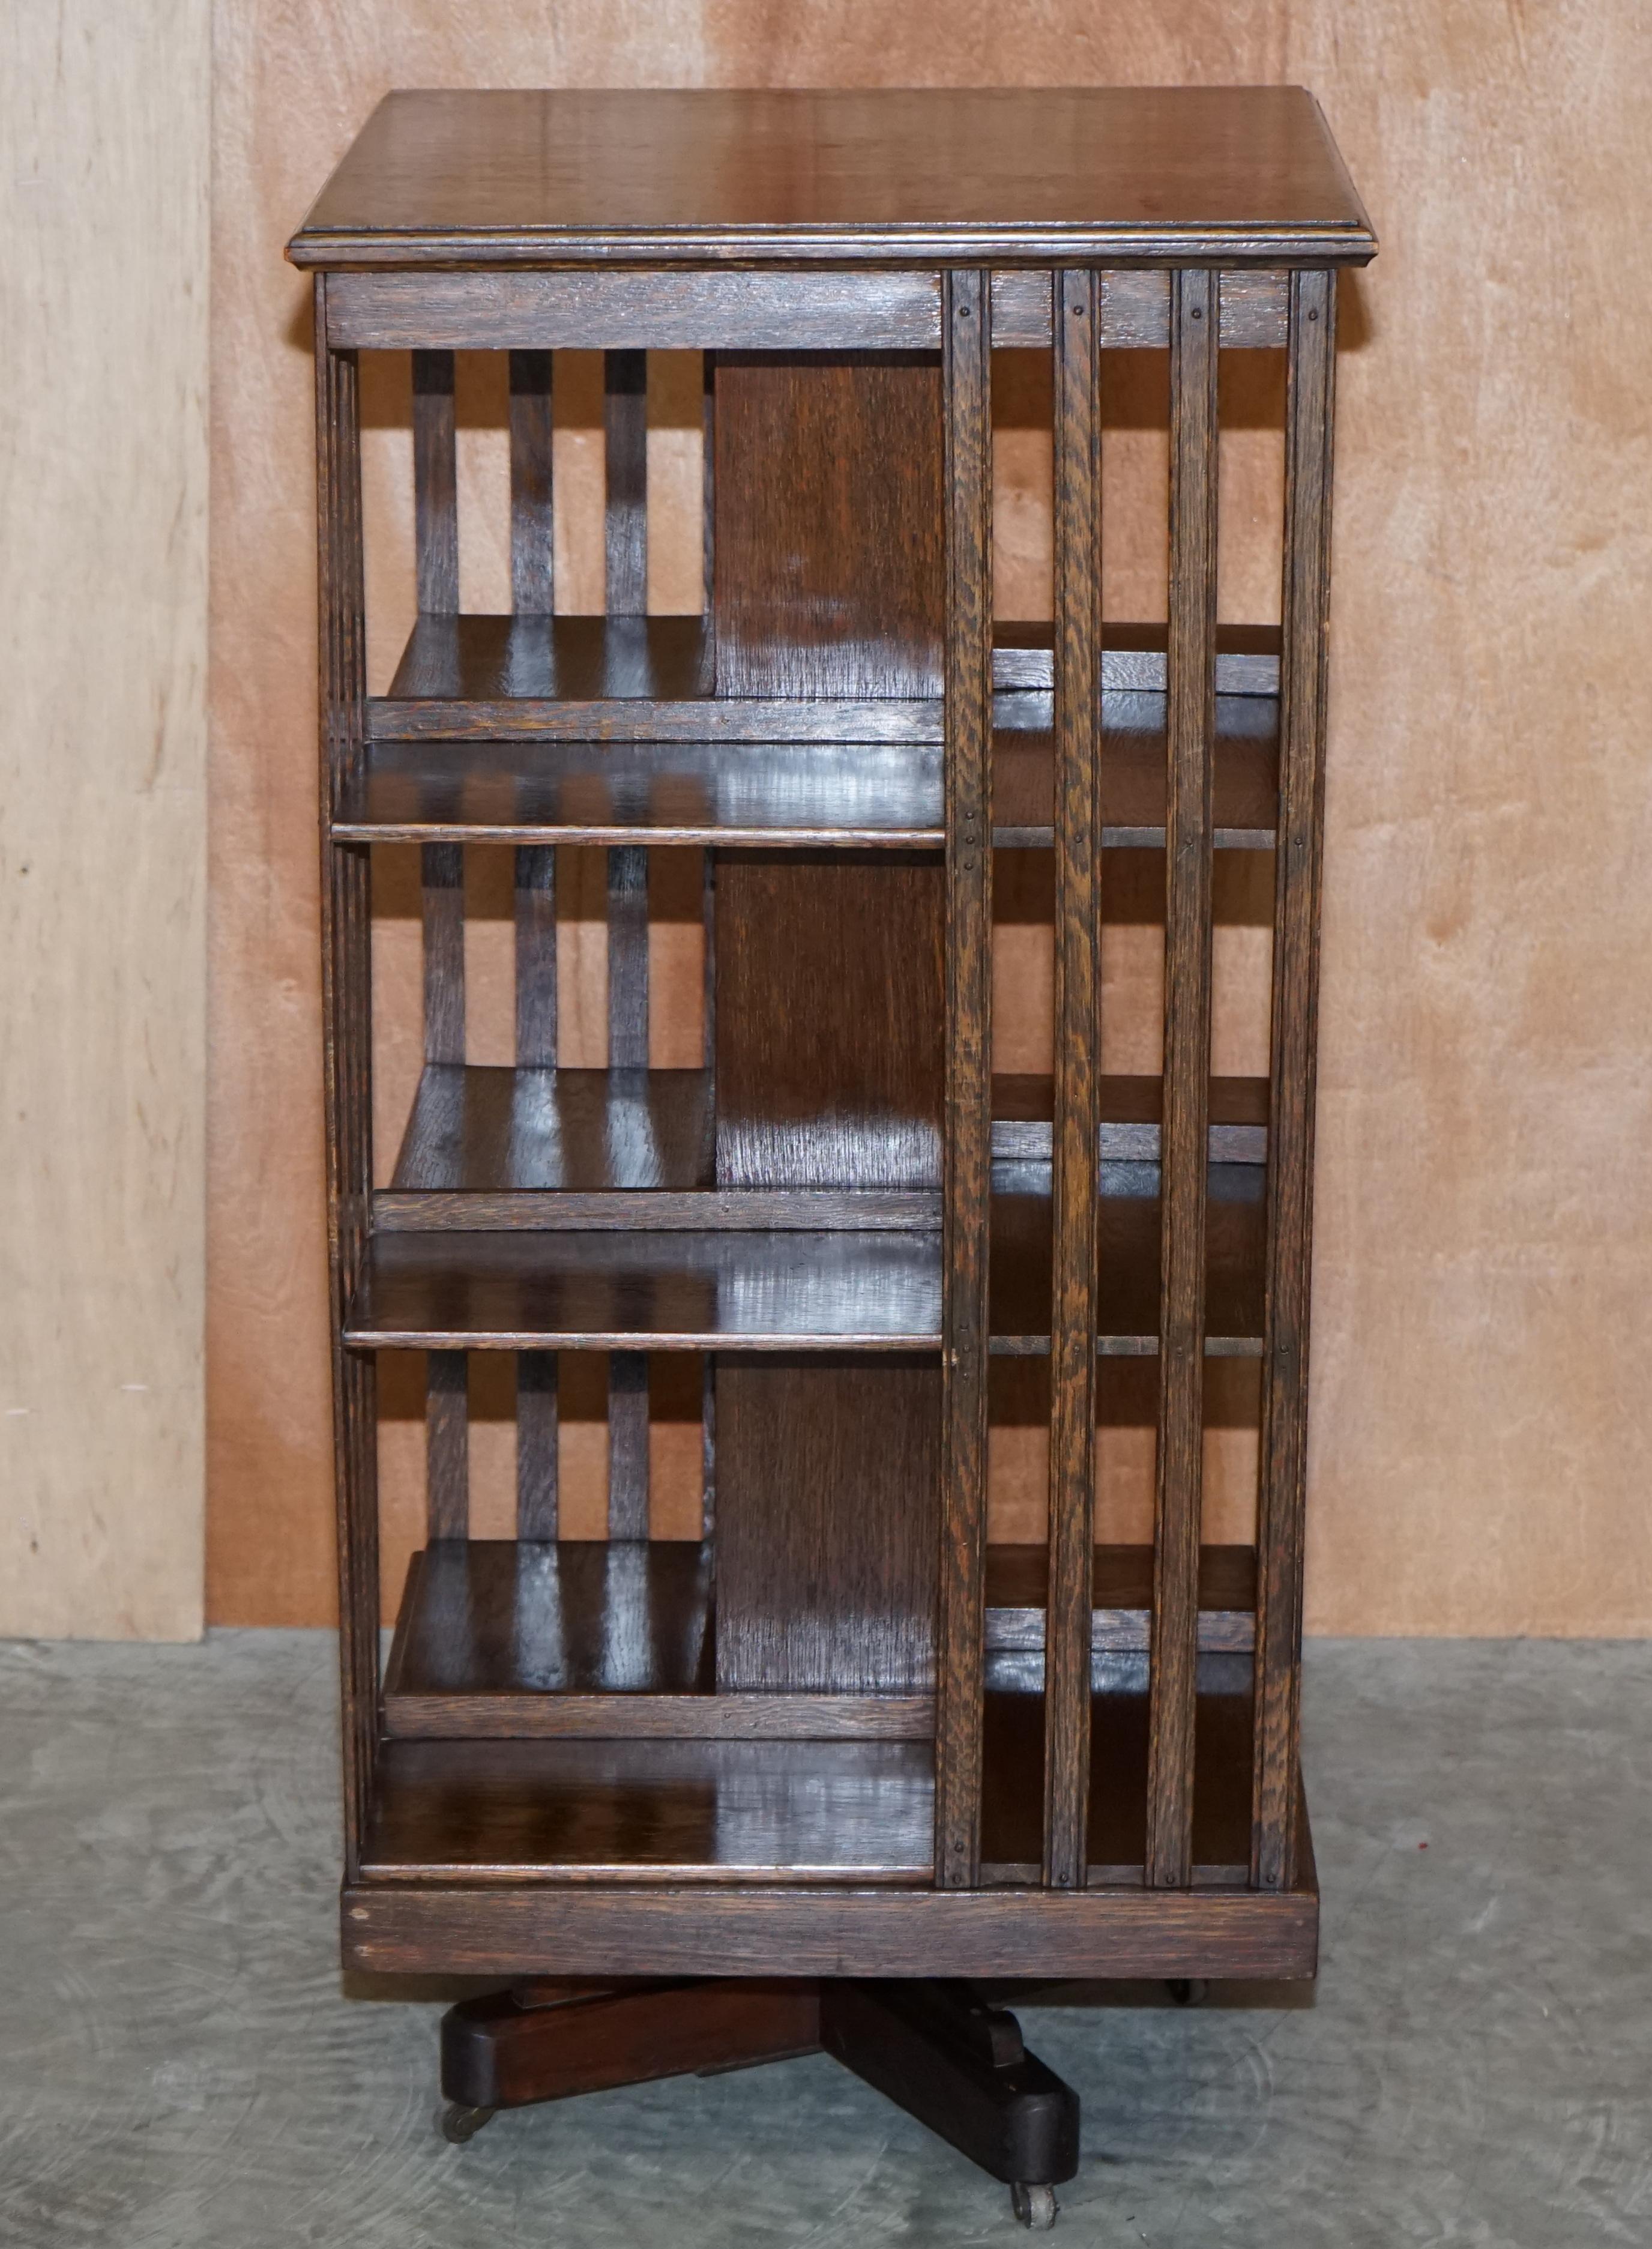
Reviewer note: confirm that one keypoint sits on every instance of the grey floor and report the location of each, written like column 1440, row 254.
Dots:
column 180, row 2064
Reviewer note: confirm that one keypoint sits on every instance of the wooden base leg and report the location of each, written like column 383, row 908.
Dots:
column 545, row 2041
column 960, row 2067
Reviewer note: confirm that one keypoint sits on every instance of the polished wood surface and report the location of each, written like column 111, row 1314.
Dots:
column 852, row 948
column 681, row 1811
column 652, row 1928
column 829, row 572
column 828, row 1524
column 835, row 1692
column 533, row 312
column 1094, row 175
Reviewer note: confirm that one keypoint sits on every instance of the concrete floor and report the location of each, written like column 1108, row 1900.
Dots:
column 179, row 2065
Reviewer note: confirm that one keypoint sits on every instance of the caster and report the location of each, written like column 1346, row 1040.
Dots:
column 458, row 2124
column 1036, row 2206
column 1189, row 1991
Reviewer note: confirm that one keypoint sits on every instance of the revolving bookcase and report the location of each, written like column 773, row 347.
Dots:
column 802, row 1779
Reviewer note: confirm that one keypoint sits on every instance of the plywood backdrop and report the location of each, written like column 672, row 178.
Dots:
column 104, row 123
column 1482, row 1411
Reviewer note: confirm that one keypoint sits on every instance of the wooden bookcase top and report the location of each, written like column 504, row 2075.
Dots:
column 1217, row 175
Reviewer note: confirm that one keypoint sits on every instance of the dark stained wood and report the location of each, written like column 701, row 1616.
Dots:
column 488, row 1129
column 800, row 794
column 627, row 1483
column 959, row 2066
column 754, row 311
column 1078, row 1041
column 510, row 2048
column 533, row 549
column 436, row 519
column 1036, row 176
column 627, row 960
column 828, row 1505
column 1186, row 1073
column 660, row 1210
column 1309, row 410
column 447, row 1424
column 1120, row 1599
column 828, row 526
column 443, row 899
column 538, row 1439
column 535, row 871
column 518, row 1291
column 347, row 998
column 860, row 1287
column 653, row 1930
column 484, row 1133
column 851, row 946
column 1134, row 658
column 687, row 1811
column 625, row 428
column 966, row 362
column 1118, row 1790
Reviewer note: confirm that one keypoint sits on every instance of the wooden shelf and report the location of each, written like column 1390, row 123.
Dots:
column 772, row 795
column 856, row 1287
column 507, row 1639
column 641, row 1810
column 590, row 1149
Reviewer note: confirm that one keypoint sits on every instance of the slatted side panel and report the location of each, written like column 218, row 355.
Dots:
column 348, row 1011
column 1073, row 1312
column 1309, row 404
column 1190, row 727
column 966, row 340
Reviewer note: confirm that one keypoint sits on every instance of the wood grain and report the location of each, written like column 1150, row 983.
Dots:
column 1078, row 1054
column 966, row 357
column 1190, row 729
column 1280, row 1516
column 103, row 847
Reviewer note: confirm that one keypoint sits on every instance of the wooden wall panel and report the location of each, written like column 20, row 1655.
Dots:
column 104, row 117
column 1481, row 1412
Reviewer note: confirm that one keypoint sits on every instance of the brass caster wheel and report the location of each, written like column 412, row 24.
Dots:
column 1189, row 1991
column 458, row 2124
column 1036, row 2206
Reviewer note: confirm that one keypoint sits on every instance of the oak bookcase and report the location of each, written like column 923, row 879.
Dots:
column 795, row 1783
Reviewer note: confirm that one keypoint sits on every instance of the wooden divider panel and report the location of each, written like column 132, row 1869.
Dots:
column 1191, row 683
column 827, row 1026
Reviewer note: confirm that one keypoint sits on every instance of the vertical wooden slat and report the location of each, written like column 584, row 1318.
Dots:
column 1072, row 1371
column 443, row 899
column 625, row 423
column 1309, row 415
column 627, row 958
column 965, row 332
column 347, row 1007
column 535, row 956
column 537, row 1434
column 447, row 1445
column 626, row 543
column 708, row 475
column 531, row 556
column 436, row 508
column 628, row 1444
column 1190, row 726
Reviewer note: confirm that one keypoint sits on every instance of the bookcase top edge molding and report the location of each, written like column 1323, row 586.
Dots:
column 1228, row 176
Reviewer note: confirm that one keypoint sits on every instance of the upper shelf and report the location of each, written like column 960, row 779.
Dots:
column 1093, row 175
column 605, row 731
column 483, row 677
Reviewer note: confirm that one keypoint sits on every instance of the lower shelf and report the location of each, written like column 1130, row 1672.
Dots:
column 519, row 1640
